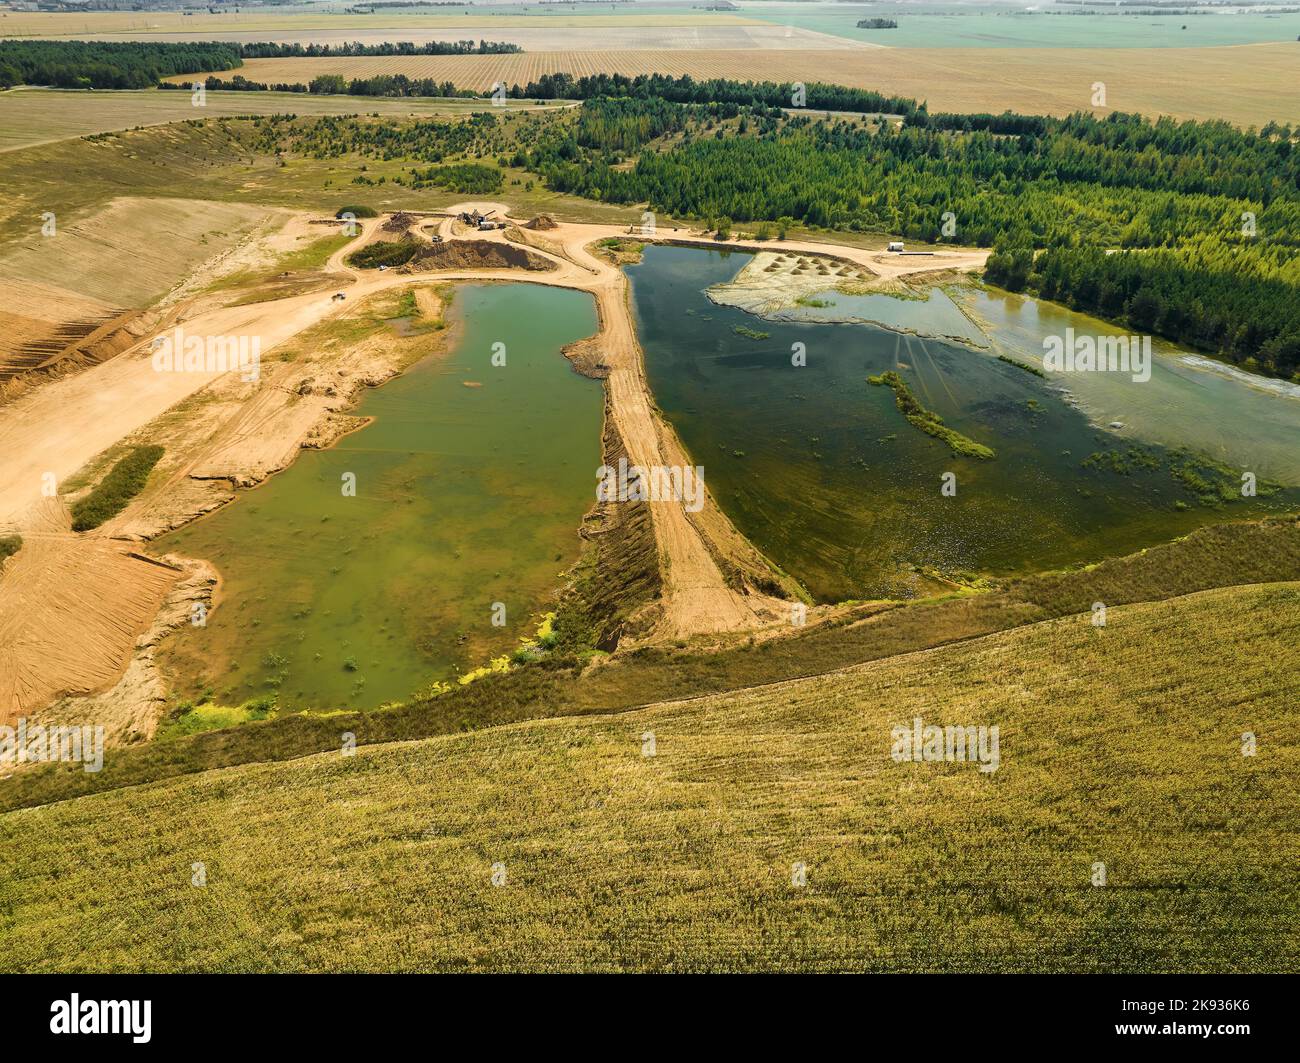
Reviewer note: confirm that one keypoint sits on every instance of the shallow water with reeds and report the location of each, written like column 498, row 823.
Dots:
column 823, row 472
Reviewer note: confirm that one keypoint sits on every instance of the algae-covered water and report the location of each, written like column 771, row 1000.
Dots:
column 471, row 483
column 821, row 470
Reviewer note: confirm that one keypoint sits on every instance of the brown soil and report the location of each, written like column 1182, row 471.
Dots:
column 71, row 608
column 477, row 254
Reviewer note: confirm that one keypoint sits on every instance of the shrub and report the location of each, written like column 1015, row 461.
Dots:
column 384, row 253
column 124, row 481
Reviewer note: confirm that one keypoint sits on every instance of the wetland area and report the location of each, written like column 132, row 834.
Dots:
column 472, row 479
column 823, row 473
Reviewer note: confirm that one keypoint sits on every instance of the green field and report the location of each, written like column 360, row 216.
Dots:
column 39, row 116
column 1005, row 28
column 608, row 859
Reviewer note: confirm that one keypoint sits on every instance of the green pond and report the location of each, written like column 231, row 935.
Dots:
column 471, row 483
column 821, row 470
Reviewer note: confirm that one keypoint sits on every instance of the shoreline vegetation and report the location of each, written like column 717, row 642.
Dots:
column 928, row 421
column 1022, row 365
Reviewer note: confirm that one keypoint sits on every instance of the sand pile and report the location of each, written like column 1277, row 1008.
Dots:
column 542, row 222
column 400, row 222
column 477, row 254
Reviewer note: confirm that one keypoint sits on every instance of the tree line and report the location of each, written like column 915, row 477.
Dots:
column 144, row 64
column 1189, row 230
column 108, row 64
column 686, row 89
column 295, row 50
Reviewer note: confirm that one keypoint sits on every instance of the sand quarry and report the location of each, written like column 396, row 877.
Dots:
column 80, row 613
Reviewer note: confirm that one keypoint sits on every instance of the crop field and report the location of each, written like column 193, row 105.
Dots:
column 163, row 239
column 165, row 25
column 1185, row 83
column 686, row 860
column 551, row 37
column 932, row 26
column 39, row 116
column 1067, row 28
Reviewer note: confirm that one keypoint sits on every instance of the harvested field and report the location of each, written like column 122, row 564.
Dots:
column 205, row 26
column 683, row 860
column 162, row 240
column 1183, row 82
column 684, row 34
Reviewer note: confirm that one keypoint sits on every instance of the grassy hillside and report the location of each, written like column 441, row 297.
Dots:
column 1217, row 556
column 1119, row 744
column 208, row 158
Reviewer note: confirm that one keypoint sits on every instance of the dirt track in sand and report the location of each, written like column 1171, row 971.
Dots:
column 63, row 425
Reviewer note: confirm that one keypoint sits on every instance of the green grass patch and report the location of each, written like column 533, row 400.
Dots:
column 314, row 255
column 385, row 253
column 750, row 333
column 189, row 718
column 1022, row 365
column 357, row 212
column 124, row 481
column 467, row 178
column 928, row 421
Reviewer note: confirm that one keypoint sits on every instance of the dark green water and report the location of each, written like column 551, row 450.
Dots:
column 825, row 475
column 465, row 496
